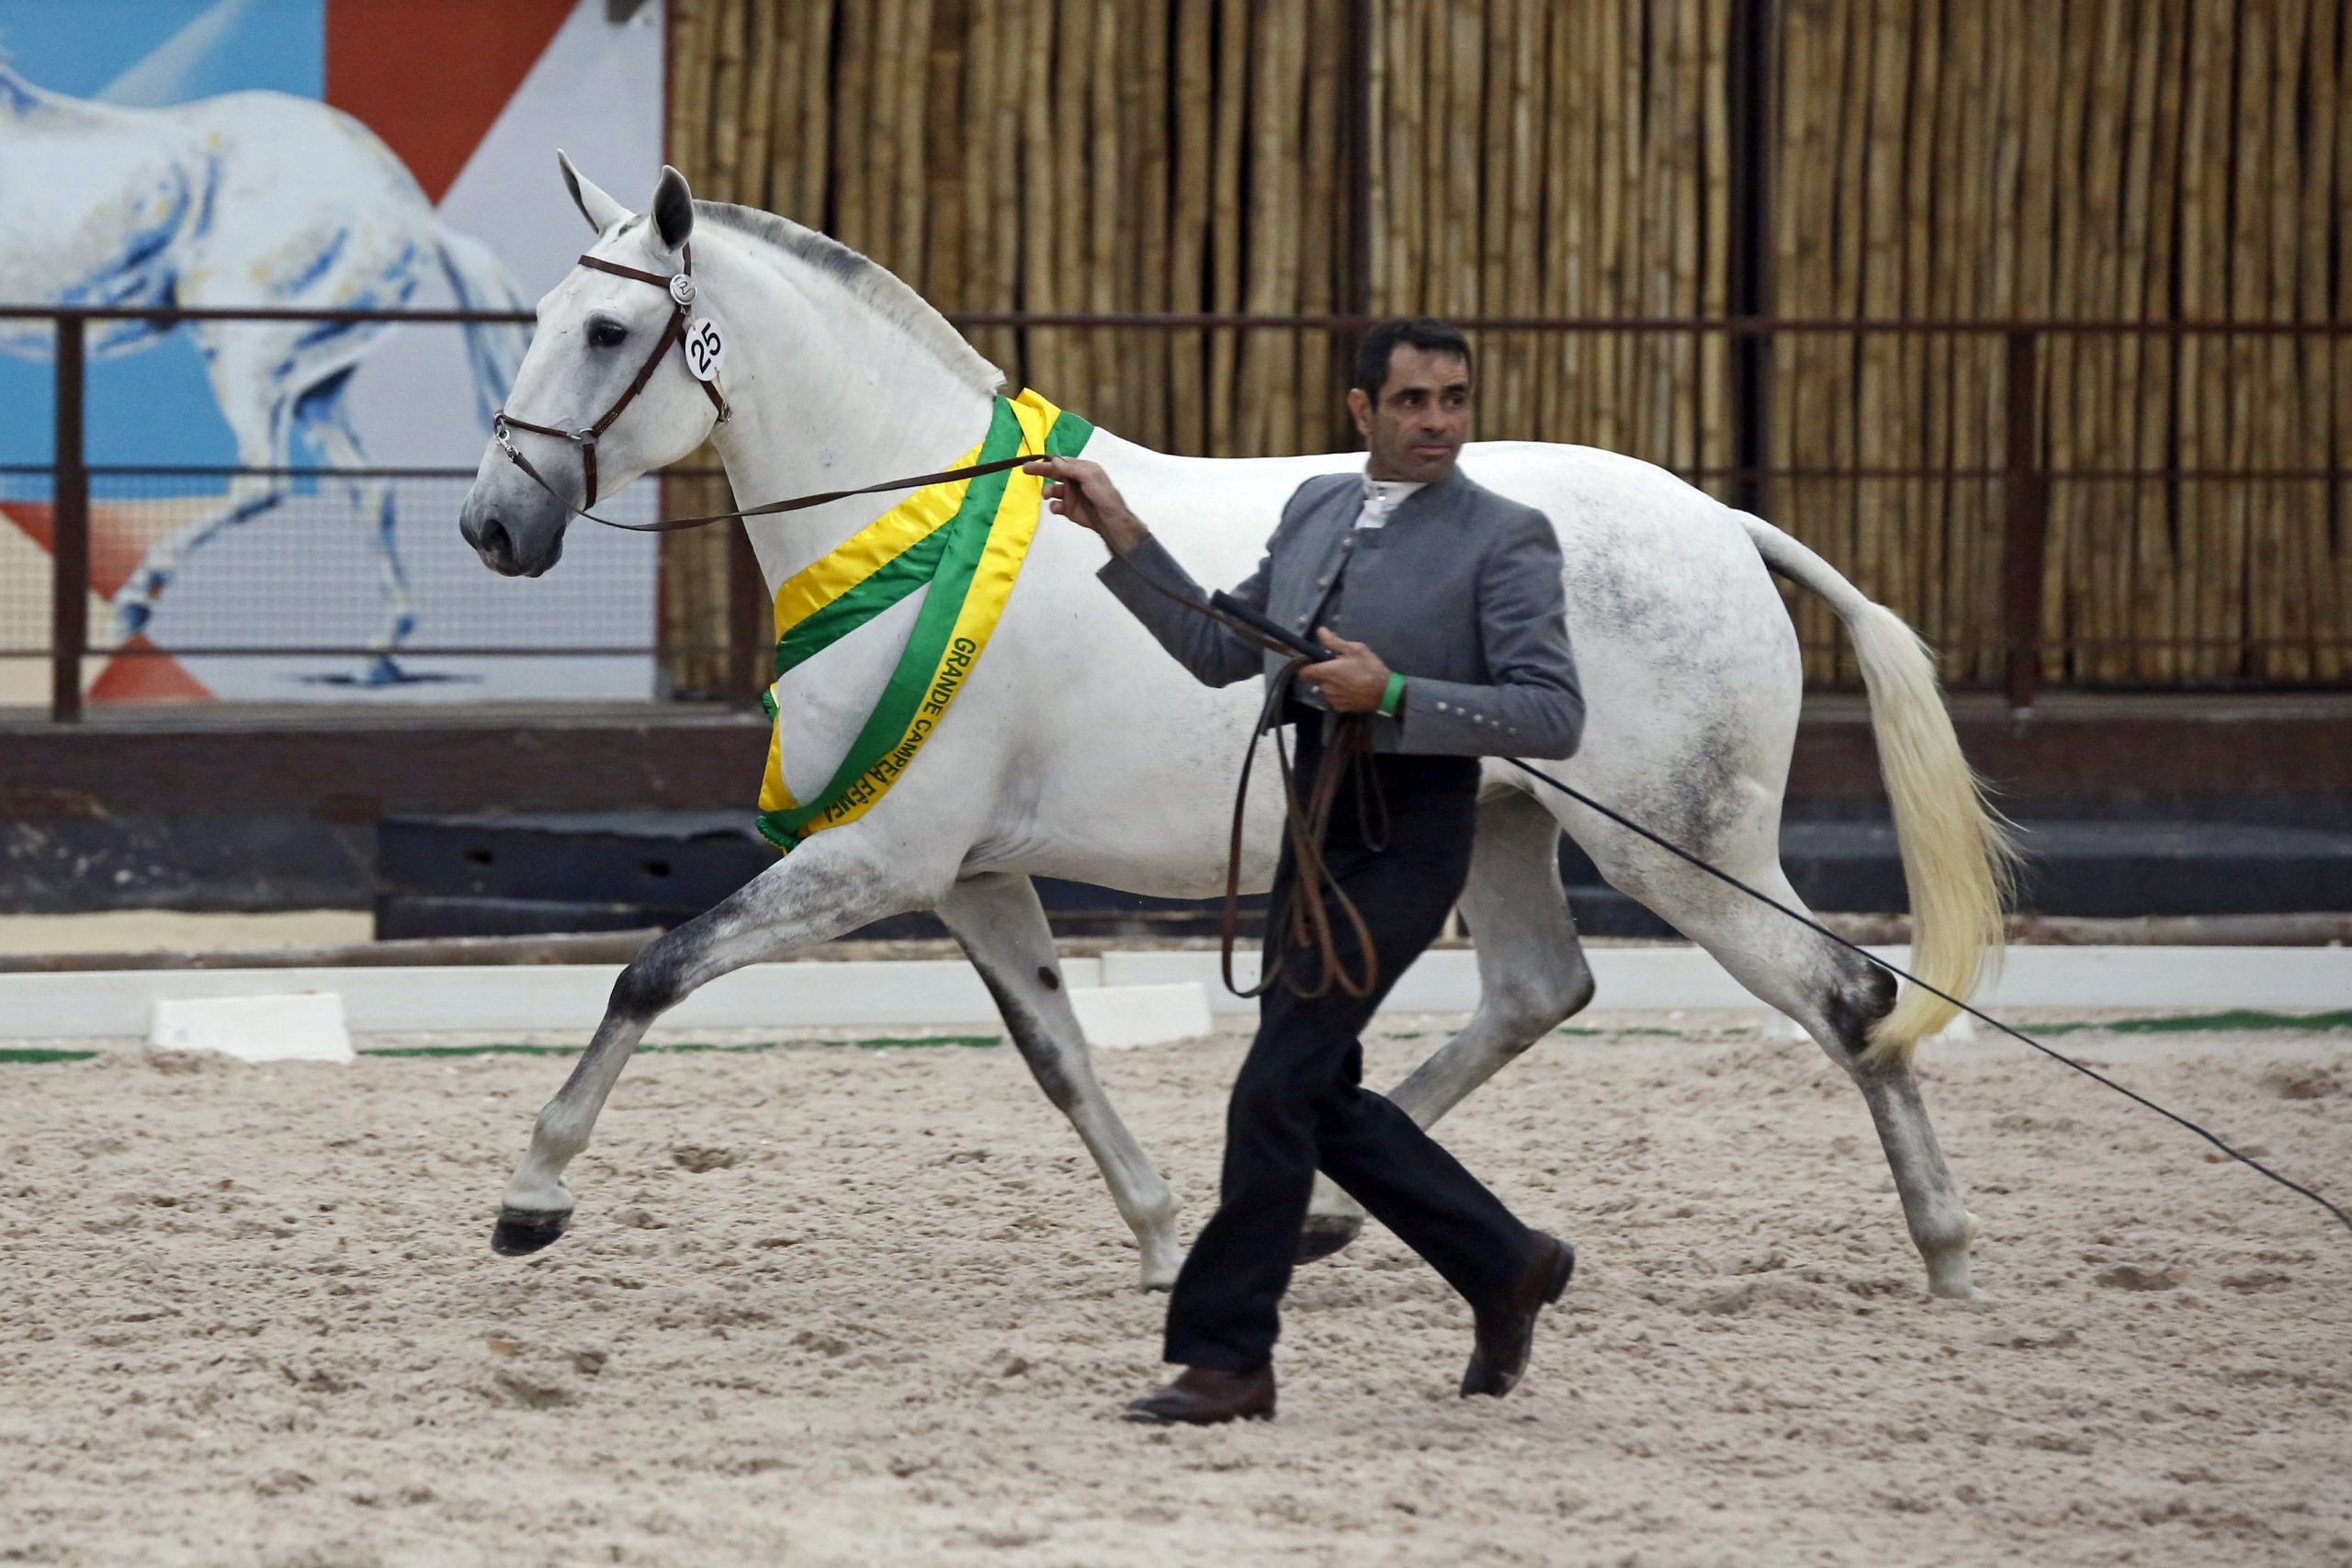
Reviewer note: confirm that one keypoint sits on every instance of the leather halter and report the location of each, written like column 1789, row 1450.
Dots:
column 680, row 288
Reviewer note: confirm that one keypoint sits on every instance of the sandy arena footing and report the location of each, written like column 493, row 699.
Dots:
column 836, row 1305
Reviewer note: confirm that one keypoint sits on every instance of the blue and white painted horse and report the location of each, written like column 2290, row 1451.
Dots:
column 256, row 199
column 1078, row 750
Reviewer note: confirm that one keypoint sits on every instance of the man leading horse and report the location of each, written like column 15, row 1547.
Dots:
column 1441, row 607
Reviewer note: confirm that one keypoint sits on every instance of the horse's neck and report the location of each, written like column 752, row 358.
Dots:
column 853, row 403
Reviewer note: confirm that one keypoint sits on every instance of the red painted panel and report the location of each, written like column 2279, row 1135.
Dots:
column 113, row 555
column 120, row 537
column 430, row 76
column 144, row 676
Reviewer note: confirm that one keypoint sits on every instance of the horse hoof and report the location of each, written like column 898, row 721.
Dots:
column 518, row 1234
column 1324, row 1235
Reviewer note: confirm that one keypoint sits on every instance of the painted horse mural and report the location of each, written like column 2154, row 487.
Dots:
column 249, row 198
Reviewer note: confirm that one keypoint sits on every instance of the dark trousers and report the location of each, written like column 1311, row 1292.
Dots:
column 1299, row 1103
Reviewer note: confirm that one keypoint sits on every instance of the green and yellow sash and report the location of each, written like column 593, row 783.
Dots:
column 965, row 540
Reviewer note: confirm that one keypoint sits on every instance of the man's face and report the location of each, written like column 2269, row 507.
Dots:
column 1416, row 430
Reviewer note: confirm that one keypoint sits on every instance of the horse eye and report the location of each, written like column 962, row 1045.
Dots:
column 607, row 335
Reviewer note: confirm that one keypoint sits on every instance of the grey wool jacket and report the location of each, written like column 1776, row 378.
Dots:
column 1458, row 593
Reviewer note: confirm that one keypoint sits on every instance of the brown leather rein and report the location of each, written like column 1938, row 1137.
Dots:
column 1303, row 919
column 680, row 288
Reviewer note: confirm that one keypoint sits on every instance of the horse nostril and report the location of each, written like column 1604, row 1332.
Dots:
column 494, row 540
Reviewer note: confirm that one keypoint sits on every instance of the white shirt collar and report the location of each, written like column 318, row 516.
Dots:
column 1382, row 498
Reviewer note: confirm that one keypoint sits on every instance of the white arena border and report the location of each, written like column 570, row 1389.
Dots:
column 947, row 994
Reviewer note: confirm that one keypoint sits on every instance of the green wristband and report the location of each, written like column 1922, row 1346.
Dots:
column 1392, row 695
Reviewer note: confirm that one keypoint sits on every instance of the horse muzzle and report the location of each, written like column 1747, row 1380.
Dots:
column 513, row 540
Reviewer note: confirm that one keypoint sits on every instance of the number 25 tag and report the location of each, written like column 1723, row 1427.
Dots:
column 705, row 348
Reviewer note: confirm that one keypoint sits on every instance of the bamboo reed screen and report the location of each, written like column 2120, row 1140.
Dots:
column 1980, row 159
column 2136, row 160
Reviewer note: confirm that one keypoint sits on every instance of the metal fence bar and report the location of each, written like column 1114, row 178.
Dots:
column 2026, row 535
column 410, row 650
column 2026, row 482
column 751, row 619
column 1730, row 326
column 69, row 561
column 1734, row 326
column 2339, row 473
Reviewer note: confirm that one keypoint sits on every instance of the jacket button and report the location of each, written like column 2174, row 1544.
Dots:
column 1442, row 708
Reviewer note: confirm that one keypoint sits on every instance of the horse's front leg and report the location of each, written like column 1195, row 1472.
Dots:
column 248, row 496
column 1002, row 928
column 827, row 885
column 247, row 364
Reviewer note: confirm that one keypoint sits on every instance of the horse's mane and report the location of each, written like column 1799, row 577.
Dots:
column 868, row 281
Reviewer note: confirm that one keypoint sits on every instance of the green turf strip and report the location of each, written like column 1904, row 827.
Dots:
column 2242, row 1020
column 2207, row 1021
column 2185, row 1023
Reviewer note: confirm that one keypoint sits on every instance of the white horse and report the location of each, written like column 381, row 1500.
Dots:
column 1079, row 750
column 255, row 199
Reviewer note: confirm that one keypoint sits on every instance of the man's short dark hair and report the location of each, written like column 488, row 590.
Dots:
column 1379, row 345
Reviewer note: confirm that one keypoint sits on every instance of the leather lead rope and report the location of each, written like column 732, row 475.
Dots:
column 799, row 503
column 1303, row 921
column 1277, row 638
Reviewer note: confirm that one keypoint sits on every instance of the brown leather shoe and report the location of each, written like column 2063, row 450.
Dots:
column 1506, row 1321
column 1203, row 1397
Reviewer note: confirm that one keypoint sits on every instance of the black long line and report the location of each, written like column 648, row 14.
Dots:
column 1246, row 621
column 1254, row 626
column 1810, row 923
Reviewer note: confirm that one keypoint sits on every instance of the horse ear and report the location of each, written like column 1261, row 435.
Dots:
column 673, row 209
column 600, row 210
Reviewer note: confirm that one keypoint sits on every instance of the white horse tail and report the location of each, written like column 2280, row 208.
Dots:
column 483, row 283
column 1958, row 859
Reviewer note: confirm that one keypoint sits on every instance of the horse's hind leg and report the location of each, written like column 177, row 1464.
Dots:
column 1836, row 994
column 1003, row 929
column 1532, row 976
column 329, row 423
column 826, row 886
